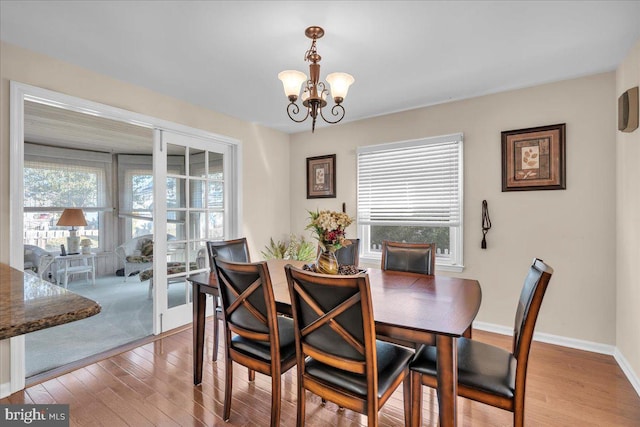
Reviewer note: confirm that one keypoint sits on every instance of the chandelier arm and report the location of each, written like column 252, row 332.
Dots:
column 340, row 112
column 293, row 110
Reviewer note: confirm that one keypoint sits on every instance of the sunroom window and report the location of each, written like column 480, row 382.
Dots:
column 55, row 179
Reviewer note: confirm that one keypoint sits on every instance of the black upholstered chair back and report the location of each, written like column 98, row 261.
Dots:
column 333, row 319
column 533, row 290
column 410, row 257
column 236, row 250
column 247, row 298
column 350, row 254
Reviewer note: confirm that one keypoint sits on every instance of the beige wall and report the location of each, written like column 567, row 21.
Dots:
column 573, row 229
column 265, row 152
column 628, row 223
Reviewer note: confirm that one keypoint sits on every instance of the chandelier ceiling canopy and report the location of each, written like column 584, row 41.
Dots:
column 314, row 91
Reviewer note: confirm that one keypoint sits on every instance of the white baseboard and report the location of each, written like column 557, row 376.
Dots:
column 571, row 343
column 5, row 389
column 628, row 371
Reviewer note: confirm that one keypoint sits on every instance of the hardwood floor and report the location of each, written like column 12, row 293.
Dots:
column 151, row 385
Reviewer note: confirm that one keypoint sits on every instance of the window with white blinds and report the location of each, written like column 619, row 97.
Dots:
column 58, row 178
column 415, row 186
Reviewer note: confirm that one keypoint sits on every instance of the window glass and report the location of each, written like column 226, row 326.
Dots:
column 53, row 183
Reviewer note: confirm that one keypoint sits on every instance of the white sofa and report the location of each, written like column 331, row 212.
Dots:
column 131, row 254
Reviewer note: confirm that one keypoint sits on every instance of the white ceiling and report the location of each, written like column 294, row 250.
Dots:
column 225, row 55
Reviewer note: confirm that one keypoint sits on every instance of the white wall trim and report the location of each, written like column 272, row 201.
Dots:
column 571, row 343
column 628, row 370
column 18, row 367
column 550, row 339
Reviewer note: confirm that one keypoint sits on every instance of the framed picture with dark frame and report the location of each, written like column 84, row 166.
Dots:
column 321, row 176
column 534, row 158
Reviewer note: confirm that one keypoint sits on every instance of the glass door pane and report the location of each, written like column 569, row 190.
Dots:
column 194, row 200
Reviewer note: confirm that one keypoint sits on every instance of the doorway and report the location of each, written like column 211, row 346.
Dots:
column 111, row 216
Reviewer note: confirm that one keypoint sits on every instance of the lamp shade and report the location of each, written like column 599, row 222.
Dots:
column 292, row 80
column 72, row 217
column 340, row 83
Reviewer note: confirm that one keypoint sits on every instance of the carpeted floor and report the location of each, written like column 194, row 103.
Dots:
column 126, row 316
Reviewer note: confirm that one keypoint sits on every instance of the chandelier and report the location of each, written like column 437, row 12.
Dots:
column 314, row 93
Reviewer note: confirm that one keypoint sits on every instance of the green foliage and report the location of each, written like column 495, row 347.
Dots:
column 437, row 235
column 274, row 250
column 300, row 249
column 295, row 249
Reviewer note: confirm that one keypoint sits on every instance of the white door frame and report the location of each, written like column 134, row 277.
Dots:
column 170, row 318
column 19, row 92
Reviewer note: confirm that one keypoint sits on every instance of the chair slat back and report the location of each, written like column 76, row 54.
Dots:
column 247, row 298
column 333, row 318
column 409, row 257
column 533, row 290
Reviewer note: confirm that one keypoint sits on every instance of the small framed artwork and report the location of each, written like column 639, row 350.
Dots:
column 321, row 176
column 534, row 158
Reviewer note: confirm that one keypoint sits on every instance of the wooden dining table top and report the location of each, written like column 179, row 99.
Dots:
column 407, row 303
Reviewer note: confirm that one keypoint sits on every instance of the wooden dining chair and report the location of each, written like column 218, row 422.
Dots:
column 486, row 373
column 338, row 356
column 236, row 250
column 417, row 258
column 409, row 257
column 350, row 254
column 255, row 335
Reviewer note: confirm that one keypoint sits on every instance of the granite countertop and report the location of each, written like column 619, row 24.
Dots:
column 28, row 304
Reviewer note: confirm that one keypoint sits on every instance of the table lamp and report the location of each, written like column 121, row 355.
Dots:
column 72, row 217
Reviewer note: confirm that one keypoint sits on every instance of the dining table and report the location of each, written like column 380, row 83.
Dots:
column 407, row 307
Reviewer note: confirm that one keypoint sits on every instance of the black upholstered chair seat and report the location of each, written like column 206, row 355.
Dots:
column 262, row 350
column 392, row 359
column 480, row 366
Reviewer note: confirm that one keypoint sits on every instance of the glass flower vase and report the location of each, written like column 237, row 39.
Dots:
column 327, row 263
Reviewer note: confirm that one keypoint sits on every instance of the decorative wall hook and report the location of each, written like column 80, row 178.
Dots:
column 486, row 224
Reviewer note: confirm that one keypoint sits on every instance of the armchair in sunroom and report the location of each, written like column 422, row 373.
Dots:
column 137, row 254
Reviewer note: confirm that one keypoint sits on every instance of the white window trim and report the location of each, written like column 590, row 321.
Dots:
column 455, row 264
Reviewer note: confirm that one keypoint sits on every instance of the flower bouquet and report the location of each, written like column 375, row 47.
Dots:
column 328, row 227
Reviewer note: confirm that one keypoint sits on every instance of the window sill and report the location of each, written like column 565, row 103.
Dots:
column 452, row 268
column 375, row 262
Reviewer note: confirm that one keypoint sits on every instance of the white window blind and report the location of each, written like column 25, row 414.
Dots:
column 58, row 178
column 411, row 183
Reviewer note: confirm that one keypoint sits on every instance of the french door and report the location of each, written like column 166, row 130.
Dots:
column 194, row 199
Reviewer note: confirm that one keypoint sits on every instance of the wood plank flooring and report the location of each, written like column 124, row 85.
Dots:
column 151, row 385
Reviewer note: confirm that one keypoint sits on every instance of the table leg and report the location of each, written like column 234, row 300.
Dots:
column 447, row 379
column 199, row 307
